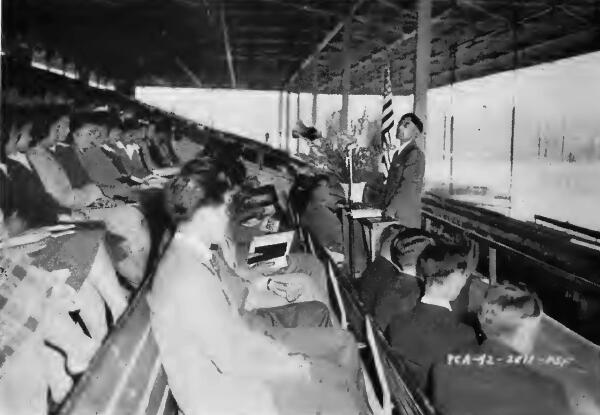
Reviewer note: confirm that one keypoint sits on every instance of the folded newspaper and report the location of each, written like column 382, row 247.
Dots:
column 270, row 250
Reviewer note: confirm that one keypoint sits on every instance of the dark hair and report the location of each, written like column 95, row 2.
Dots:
column 505, row 307
column 43, row 117
column 415, row 120
column 102, row 118
column 131, row 124
column 202, row 182
column 406, row 242
column 439, row 260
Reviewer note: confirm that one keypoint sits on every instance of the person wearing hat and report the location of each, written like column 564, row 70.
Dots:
column 389, row 286
column 499, row 384
column 401, row 198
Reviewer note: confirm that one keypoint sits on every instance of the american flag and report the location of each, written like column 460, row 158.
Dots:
column 387, row 121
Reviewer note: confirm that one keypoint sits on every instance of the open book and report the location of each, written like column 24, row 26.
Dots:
column 271, row 250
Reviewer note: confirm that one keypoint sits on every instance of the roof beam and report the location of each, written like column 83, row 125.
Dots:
column 227, row 47
column 328, row 37
column 304, row 8
column 188, row 72
column 390, row 4
column 470, row 4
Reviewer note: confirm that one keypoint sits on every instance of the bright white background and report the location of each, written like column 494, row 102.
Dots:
column 551, row 100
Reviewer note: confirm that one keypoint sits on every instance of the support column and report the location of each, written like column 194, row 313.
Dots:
column 315, row 88
column 287, row 121
column 422, row 64
column 514, row 106
column 346, row 75
column 451, row 186
column 298, row 119
column 280, row 118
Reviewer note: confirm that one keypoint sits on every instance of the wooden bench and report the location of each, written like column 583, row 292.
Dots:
column 126, row 375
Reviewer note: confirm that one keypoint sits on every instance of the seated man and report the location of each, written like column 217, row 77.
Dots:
column 389, row 285
column 503, row 380
column 133, row 132
column 431, row 330
column 89, row 131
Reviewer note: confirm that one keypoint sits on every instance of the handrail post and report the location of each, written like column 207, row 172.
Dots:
column 492, row 266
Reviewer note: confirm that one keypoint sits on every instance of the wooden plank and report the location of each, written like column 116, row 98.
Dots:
column 330, row 35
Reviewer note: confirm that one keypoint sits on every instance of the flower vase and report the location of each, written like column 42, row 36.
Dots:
column 357, row 191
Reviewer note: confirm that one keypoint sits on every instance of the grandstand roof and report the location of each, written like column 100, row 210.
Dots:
column 262, row 44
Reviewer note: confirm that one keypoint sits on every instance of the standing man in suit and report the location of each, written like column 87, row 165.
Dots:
column 505, row 381
column 431, row 330
column 401, row 199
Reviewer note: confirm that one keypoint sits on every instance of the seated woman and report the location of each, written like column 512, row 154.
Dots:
column 25, row 192
column 212, row 350
column 128, row 238
column 319, row 218
column 50, row 127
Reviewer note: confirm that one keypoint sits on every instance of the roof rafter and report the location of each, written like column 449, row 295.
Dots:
column 330, row 35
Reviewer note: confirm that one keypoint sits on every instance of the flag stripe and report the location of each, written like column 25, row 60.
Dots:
column 387, row 121
column 387, row 116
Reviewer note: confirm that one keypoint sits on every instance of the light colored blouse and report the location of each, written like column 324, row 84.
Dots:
column 56, row 182
column 215, row 363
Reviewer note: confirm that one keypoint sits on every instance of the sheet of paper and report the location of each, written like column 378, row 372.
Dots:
column 366, row 213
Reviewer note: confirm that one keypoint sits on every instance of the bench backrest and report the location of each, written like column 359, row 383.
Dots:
column 126, row 375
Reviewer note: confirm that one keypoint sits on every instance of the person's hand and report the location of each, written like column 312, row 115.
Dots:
column 94, row 192
column 288, row 290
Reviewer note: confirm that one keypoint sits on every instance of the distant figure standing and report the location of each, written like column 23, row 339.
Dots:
column 267, row 138
column 401, row 199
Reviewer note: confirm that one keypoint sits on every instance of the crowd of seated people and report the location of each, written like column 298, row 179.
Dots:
column 74, row 183
column 469, row 347
column 481, row 364
column 75, row 233
column 240, row 339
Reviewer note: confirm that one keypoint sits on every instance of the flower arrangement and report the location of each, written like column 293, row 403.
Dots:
column 330, row 155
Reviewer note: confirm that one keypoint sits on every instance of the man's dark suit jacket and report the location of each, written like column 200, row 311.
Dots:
column 402, row 194
column 501, row 389
column 425, row 335
column 386, row 292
